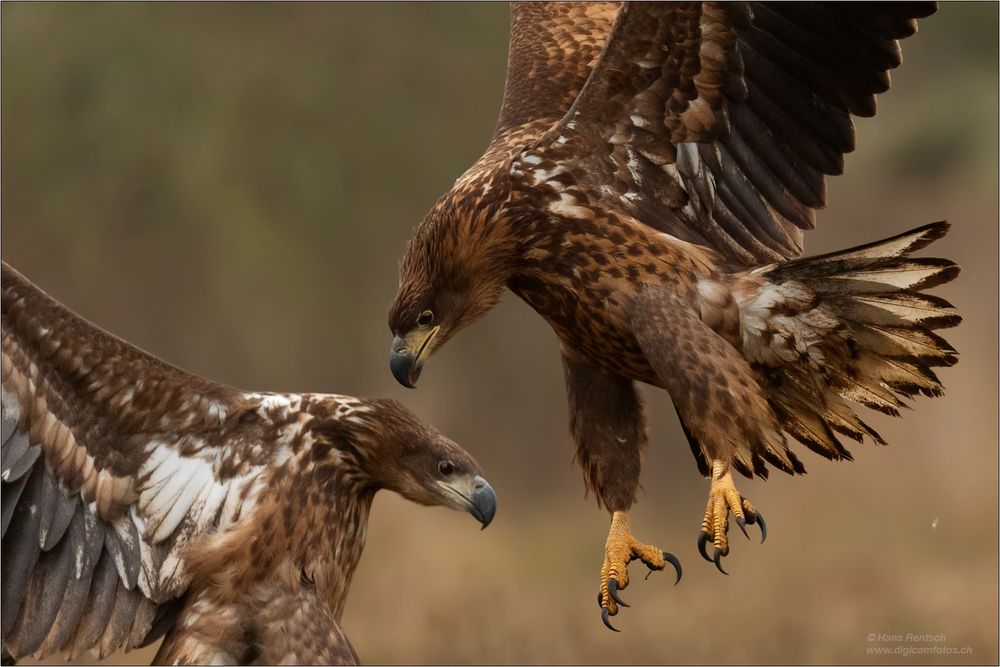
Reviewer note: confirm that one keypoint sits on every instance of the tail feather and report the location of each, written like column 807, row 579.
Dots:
column 871, row 396
column 901, row 309
column 845, row 421
column 892, row 277
column 811, row 429
column 907, row 378
column 848, row 326
column 901, row 245
column 916, row 344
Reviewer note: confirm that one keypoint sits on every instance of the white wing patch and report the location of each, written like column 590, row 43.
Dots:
column 183, row 498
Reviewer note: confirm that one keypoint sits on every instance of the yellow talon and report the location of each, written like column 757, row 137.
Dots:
column 723, row 498
column 621, row 549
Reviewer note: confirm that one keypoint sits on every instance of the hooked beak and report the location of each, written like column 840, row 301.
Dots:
column 476, row 496
column 406, row 357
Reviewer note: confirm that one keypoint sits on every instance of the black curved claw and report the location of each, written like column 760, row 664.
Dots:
column 763, row 527
column 702, row 541
column 670, row 558
column 718, row 560
column 613, row 592
column 600, row 599
column 607, row 623
column 743, row 526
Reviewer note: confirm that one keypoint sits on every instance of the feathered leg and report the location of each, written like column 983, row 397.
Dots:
column 724, row 411
column 608, row 425
column 277, row 624
column 296, row 627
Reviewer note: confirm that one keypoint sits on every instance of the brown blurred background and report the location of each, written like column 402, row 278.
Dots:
column 230, row 187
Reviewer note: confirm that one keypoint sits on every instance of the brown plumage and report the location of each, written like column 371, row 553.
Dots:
column 649, row 202
column 139, row 499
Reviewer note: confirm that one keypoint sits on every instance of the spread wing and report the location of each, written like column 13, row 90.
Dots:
column 553, row 47
column 717, row 122
column 111, row 461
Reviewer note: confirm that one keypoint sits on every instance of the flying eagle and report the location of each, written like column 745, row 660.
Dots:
column 646, row 192
column 139, row 499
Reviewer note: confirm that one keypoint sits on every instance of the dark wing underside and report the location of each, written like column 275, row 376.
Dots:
column 111, row 461
column 717, row 122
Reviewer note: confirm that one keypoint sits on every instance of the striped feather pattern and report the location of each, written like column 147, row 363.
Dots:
column 851, row 325
column 718, row 122
column 110, row 465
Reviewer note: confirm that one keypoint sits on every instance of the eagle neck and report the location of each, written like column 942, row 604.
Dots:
column 329, row 536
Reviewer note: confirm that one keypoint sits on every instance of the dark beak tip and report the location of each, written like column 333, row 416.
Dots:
column 401, row 365
column 484, row 504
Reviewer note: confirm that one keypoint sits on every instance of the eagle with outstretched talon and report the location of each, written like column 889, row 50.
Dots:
column 141, row 501
column 646, row 192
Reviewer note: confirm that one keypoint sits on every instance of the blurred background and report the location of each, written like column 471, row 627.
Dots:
column 231, row 186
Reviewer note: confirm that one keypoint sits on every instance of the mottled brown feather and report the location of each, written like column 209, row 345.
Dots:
column 136, row 493
column 738, row 84
column 695, row 151
column 553, row 47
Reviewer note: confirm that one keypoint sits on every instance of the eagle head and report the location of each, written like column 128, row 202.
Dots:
column 453, row 272
column 412, row 458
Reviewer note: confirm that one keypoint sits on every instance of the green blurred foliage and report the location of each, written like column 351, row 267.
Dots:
column 230, row 186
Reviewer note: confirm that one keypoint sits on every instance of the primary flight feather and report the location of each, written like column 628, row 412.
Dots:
column 646, row 192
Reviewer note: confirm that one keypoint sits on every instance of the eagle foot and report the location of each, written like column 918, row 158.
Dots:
column 723, row 498
column 621, row 549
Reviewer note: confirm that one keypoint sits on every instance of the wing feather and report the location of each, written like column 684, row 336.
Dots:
column 20, row 552
column 22, row 458
column 120, row 621
column 761, row 93
column 178, row 510
column 43, row 598
column 112, row 461
column 553, row 47
column 97, row 611
column 142, row 623
column 11, row 495
column 122, row 545
column 70, row 611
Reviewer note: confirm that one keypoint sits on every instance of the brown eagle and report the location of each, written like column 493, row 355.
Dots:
column 646, row 191
column 139, row 499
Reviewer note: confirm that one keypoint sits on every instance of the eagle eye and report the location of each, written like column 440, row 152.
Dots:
column 426, row 318
column 446, row 468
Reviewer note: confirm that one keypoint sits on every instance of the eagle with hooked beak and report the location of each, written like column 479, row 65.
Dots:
column 646, row 192
column 139, row 499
